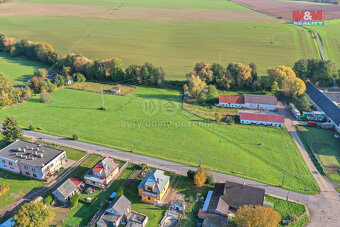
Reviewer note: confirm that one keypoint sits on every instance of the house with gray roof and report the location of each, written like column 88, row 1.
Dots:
column 32, row 159
column 324, row 104
column 154, row 186
column 225, row 196
column 102, row 173
column 66, row 190
column 119, row 213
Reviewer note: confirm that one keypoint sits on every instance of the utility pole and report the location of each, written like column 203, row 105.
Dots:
column 200, row 160
column 131, row 143
column 283, row 179
column 287, row 195
column 169, row 116
column 262, row 137
column 103, row 106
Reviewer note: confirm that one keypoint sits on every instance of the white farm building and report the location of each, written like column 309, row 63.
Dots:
column 261, row 102
column 262, row 119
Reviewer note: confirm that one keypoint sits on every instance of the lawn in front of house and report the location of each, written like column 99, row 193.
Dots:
column 19, row 186
column 325, row 148
column 141, row 119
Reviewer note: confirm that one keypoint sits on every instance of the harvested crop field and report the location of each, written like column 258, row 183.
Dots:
column 151, row 14
column 284, row 9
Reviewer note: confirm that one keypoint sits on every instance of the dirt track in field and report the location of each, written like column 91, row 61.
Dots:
column 150, row 14
column 284, row 9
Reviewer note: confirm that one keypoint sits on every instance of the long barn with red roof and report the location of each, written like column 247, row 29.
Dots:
column 262, row 119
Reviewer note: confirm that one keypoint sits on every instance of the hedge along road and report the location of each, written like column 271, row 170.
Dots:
column 324, row 207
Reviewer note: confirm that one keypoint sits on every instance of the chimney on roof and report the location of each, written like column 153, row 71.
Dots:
column 24, row 149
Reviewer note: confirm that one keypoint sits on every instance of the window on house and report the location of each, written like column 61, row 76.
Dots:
column 149, row 198
column 11, row 167
column 10, row 163
column 93, row 182
column 27, row 173
column 5, row 165
column 3, row 161
column 34, row 175
column 33, row 170
column 25, row 167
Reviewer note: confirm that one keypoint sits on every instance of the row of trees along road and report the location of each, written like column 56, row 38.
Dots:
column 111, row 69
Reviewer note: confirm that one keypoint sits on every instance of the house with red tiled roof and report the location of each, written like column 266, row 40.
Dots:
column 262, row 119
column 102, row 173
column 231, row 101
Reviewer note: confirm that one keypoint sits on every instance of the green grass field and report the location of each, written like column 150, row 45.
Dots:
column 130, row 118
column 19, row 186
column 170, row 4
column 18, row 69
column 176, row 46
column 325, row 147
column 330, row 36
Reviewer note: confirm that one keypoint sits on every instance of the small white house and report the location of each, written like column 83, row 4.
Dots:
column 115, row 90
column 262, row 119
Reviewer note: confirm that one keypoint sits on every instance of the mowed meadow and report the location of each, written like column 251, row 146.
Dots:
column 171, row 34
column 330, row 38
column 19, row 69
column 142, row 119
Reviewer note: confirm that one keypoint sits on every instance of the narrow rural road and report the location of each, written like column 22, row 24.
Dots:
column 328, row 195
column 324, row 207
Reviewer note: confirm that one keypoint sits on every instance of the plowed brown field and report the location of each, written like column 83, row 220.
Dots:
column 284, row 9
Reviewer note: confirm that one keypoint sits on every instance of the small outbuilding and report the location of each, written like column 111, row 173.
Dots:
column 115, row 90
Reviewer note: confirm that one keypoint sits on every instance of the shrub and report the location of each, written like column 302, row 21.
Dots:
column 210, row 179
column 257, row 216
column 74, row 200
column 32, row 128
column 45, row 97
column 75, row 137
column 191, row 174
column 3, row 189
column 120, row 191
column 200, row 176
column 49, row 199
column 102, row 108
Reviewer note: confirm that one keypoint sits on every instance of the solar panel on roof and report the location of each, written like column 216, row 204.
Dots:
column 207, row 200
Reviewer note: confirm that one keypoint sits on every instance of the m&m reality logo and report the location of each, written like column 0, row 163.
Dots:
column 308, row 18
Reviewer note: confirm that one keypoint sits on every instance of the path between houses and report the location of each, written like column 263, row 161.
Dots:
column 324, row 207
column 7, row 212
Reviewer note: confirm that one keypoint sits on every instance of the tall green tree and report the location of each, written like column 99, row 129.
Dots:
column 11, row 130
column 33, row 214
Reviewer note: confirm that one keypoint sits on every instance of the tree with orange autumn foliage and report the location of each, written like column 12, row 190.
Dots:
column 257, row 216
column 200, row 176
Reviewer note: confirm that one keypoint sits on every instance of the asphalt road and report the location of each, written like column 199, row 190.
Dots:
column 324, row 207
